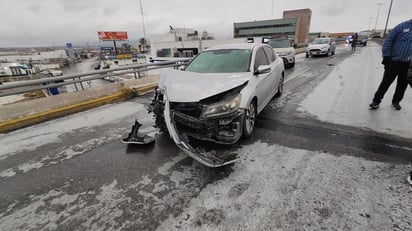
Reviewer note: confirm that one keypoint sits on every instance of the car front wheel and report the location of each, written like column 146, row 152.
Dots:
column 249, row 119
column 280, row 86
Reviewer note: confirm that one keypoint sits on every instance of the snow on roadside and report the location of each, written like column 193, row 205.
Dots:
column 278, row 188
column 49, row 132
column 4, row 100
column 343, row 97
column 271, row 187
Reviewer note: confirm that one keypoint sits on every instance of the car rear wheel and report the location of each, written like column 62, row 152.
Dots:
column 280, row 86
column 249, row 119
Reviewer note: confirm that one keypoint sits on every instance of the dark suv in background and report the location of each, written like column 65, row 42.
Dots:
column 362, row 39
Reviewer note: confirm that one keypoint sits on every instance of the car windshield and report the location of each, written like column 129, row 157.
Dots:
column 281, row 43
column 221, row 61
column 320, row 41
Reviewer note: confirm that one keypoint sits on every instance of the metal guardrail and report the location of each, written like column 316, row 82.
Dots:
column 50, row 82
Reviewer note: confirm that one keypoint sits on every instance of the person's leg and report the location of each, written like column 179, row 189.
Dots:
column 388, row 77
column 402, row 82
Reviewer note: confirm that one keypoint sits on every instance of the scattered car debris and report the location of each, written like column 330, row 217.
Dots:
column 135, row 137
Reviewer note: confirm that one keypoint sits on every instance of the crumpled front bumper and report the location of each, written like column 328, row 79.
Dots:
column 209, row 159
column 288, row 59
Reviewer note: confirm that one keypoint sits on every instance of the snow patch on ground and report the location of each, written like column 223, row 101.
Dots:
column 289, row 189
column 71, row 210
column 10, row 99
column 270, row 187
column 59, row 157
column 49, row 132
column 343, row 97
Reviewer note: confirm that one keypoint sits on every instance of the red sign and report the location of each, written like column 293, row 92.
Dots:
column 112, row 35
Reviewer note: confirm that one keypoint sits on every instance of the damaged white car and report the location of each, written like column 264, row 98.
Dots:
column 217, row 96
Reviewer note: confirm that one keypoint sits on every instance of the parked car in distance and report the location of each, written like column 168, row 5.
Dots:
column 362, row 40
column 321, row 46
column 284, row 47
column 219, row 94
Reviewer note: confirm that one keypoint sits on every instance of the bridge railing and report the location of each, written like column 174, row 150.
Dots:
column 20, row 87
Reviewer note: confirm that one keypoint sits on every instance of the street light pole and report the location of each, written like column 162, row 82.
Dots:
column 377, row 16
column 141, row 10
column 387, row 19
column 369, row 25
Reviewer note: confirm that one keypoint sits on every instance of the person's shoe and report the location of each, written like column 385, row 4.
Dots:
column 374, row 105
column 396, row 106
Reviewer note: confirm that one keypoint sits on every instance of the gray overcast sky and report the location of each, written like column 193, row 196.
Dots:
column 55, row 22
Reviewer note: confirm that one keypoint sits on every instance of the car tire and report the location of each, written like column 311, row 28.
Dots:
column 249, row 119
column 280, row 86
column 292, row 65
column 333, row 53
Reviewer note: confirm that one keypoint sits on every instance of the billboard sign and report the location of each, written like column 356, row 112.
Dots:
column 69, row 45
column 112, row 35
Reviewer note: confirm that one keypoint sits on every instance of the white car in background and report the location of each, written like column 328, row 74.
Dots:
column 321, row 46
column 284, row 48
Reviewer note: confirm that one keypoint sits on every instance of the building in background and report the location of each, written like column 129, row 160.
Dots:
column 303, row 18
column 295, row 24
column 265, row 28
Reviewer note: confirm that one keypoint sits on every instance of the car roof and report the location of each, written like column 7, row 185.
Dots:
column 243, row 46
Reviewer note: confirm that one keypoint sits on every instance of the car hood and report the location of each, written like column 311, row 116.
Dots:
column 317, row 46
column 284, row 49
column 184, row 86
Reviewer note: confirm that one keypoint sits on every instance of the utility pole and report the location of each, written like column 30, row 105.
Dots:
column 369, row 25
column 387, row 19
column 377, row 16
column 272, row 9
column 141, row 10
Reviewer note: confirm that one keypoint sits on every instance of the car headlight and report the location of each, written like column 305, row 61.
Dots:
column 224, row 107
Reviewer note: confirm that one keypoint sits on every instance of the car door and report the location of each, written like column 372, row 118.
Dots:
column 277, row 66
column 264, row 80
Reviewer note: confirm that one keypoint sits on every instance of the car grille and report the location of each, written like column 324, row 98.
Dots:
column 191, row 109
column 315, row 50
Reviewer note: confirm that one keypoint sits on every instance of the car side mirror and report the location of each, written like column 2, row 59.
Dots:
column 262, row 69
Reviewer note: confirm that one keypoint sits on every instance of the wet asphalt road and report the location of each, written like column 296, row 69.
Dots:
column 294, row 173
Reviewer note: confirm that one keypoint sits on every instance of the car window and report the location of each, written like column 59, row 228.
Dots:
column 280, row 43
column 320, row 41
column 270, row 54
column 221, row 61
column 260, row 58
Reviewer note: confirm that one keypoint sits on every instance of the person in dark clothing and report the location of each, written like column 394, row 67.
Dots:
column 354, row 41
column 397, row 53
